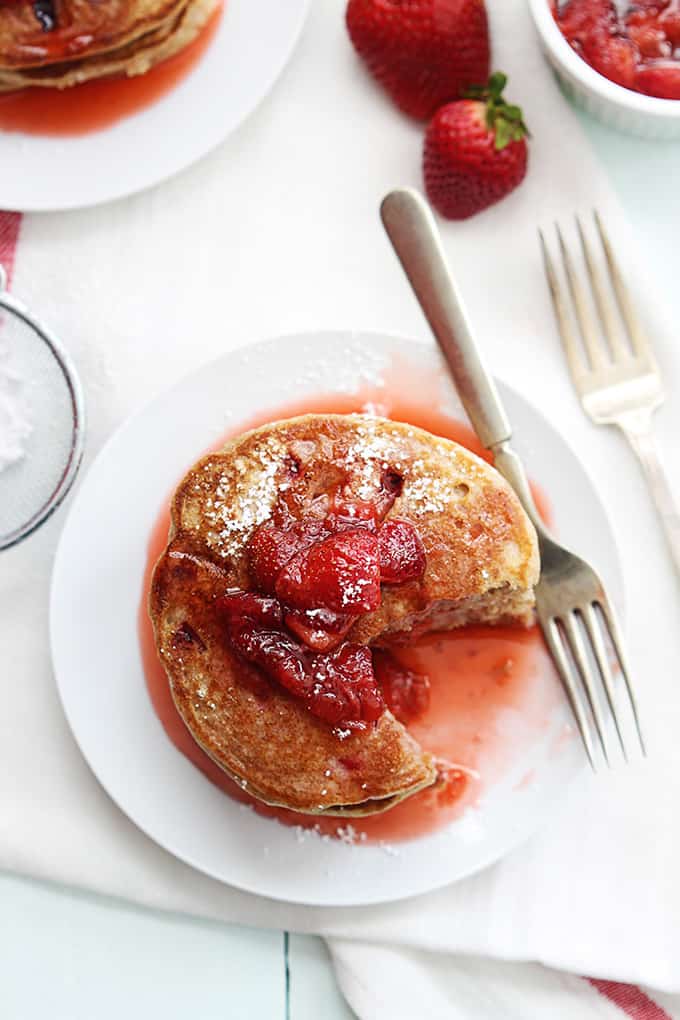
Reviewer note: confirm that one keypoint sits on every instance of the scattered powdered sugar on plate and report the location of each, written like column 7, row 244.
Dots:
column 15, row 419
column 360, row 364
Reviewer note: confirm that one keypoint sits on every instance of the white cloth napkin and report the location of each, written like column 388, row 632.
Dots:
column 278, row 231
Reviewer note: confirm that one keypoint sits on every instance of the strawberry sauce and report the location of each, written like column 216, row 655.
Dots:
column 491, row 689
column 95, row 105
column 636, row 44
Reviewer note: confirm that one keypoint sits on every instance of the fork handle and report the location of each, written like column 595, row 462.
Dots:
column 642, row 441
column 411, row 228
column 413, row 232
column 511, row 467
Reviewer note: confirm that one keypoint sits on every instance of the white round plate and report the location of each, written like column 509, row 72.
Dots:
column 252, row 45
column 95, row 598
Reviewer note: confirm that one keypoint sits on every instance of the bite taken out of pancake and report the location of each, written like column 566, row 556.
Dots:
column 294, row 713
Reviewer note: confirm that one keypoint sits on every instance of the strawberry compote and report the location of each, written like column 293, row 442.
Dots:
column 635, row 44
column 314, row 578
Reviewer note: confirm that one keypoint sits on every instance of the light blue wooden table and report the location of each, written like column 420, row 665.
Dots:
column 71, row 956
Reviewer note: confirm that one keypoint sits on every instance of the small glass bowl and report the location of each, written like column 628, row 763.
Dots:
column 39, row 370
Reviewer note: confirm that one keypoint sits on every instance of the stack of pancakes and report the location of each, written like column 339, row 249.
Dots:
column 59, row 43
column 482, row 565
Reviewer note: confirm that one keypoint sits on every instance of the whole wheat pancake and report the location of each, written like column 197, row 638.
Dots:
column 481, row 565
column 94, row 40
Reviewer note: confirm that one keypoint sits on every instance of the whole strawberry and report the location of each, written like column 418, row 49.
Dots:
column 475, row 152
column 423, row 52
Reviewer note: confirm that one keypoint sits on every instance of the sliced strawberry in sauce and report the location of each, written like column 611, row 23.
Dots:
column 269, row 549
column 649, row 40
column 322, row 630
column 348, row 515
column 278, row 655
column 344, row 690
column 341, row 573
column 338, row 687
column 272, row 546
column 451, row 784
column 326, row 570
column 402, row 556
column 669, row 23
column 245, row 606
column 578, row 17
column 660, row 79
column 612, row 56
column 645, row 29
column 406, row 693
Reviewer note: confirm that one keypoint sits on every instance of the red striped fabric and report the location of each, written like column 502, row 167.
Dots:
column 10, row 222
column 630, row 999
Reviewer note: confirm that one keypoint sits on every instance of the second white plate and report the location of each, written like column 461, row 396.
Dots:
column 252, row 45
column 95, row 599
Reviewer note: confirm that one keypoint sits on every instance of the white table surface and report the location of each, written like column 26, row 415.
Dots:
column 73, row 956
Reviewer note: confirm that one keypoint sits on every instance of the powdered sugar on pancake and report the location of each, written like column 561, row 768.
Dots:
column 234, row 512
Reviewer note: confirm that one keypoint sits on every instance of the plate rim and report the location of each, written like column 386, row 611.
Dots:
column 494, row 855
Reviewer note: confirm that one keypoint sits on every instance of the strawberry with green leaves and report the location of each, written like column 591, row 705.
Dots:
column 475, row 151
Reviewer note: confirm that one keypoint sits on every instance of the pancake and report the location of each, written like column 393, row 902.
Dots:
column 481, row 566
column 95, row 40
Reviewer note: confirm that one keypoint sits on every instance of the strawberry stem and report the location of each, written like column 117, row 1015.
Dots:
column 504, row 119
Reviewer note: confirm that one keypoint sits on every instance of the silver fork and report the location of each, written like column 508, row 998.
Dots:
column 575, row 614
column 612, row 365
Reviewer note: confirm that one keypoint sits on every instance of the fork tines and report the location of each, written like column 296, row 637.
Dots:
column 606, row 343
column 587, row 648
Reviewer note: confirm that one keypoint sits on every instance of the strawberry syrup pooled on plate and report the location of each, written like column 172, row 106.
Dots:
column 96, row 105
column 634, row 44
column 471, row 697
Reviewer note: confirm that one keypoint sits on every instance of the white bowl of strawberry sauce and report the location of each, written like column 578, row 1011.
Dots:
column 595, row 46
